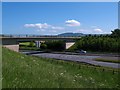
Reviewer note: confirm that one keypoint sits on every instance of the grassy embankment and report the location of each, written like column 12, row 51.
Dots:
column 107, row 60
column 0, row 66
column 22, row 71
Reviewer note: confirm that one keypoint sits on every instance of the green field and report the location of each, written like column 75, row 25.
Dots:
column 26, row 46
column 22, row 71
column 25, row 43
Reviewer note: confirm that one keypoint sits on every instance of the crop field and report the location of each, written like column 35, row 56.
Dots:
column 22, row 71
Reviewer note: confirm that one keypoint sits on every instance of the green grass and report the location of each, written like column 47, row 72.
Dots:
column 22, row 71
column 0, row 67
column 106, row 60
column 28, row 48
column 25, row 43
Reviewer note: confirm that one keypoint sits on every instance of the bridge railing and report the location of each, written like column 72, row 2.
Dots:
column 27, row 35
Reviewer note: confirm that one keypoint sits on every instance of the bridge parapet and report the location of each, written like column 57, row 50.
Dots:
column 26, row 36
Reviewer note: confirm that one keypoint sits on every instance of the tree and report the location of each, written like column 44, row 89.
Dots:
column 57, row 45
column 31, row 44
column 116, row 33
column 43, row 46
column 97, row 43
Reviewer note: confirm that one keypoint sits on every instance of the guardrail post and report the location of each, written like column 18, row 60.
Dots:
column 103, row 69
column 113, row 71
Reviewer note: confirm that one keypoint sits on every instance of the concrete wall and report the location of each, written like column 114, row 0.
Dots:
column 12, row 47
column 69, row 44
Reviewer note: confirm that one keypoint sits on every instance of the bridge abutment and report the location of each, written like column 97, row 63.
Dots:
column 12, row 47
column 69, row 44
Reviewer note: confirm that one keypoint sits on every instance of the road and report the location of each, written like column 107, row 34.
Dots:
column 80, row 58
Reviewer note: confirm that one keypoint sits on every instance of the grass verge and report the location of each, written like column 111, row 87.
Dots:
column 107, row 60
column 22, row 71
column 0, row 66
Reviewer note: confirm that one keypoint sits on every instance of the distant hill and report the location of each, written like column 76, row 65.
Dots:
column 71, row 34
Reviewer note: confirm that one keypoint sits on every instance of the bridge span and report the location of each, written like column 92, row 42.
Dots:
column 13, row 42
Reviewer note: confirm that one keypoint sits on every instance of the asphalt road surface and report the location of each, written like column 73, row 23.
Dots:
column 80, row 58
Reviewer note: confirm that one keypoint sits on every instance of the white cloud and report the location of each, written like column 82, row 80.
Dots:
column 43, row 30
column 107, row 32
column 84, row 31
column 37, row 25
column 57, row 28
column 43, row 27
column 72, row 23
column 79, row 30
column 97, row 30
column 29, row 25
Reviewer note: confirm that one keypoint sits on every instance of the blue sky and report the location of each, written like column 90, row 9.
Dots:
column 49, row 18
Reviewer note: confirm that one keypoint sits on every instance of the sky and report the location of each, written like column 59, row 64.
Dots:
column 60, row 0
column 51, row 18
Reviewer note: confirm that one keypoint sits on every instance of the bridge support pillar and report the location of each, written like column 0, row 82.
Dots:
column 12, row 47
column 37, row 43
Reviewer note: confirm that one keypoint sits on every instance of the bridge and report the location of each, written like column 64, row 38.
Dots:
column 13, row 42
